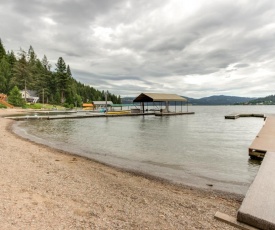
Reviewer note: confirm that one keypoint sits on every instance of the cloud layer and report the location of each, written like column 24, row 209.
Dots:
column 195, row 48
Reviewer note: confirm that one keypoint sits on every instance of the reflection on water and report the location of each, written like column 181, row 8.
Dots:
column 191, row 149
column 255, row 163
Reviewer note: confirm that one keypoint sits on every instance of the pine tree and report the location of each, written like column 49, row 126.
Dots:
column 45, row 63
column 21, row 77
column 11, row 58
column 2, row 50
column 15, row 97
column 34, row 65
column 5, row 75
column 71, row 89
column 61, row 77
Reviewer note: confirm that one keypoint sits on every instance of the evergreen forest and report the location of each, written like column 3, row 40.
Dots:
column 25, row 70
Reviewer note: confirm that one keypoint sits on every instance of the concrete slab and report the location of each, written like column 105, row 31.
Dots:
column 265, row 140
column 258, row 206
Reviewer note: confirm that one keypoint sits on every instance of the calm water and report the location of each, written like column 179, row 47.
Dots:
column 195, row 149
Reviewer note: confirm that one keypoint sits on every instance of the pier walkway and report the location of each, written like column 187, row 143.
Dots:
column 84, row 114
column 77, row 116
column 258, row 206
column 265, row 140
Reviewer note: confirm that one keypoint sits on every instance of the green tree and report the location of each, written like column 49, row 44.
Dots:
column 61, row 77
column 2, row 50
column 46, row 63
column 34, row 65
column 22, row 77
column 15, row 97
column 11, row 59
column 5, row 75
column 43, row 82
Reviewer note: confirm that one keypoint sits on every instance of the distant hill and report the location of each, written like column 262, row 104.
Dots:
column 269, row 100
column 127, row 100
column 212, row 100
column 219, row 100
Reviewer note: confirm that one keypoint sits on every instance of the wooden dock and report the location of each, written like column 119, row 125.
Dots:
column 81, row 114
column 238, row 115
column 173, row 113
column 76, row 116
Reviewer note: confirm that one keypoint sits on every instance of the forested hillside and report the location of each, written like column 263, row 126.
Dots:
column 219, row 100
column 212, row 100
column 55, row 86
column 269, row 100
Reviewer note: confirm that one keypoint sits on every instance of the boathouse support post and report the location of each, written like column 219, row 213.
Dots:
column 167, row 106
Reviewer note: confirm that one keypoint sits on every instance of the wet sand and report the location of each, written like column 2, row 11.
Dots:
column 44, row 188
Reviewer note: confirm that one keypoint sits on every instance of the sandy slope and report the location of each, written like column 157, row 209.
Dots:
column 42, row 188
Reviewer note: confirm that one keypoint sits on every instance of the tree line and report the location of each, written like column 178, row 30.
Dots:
column 25, row 70
column 268, row 100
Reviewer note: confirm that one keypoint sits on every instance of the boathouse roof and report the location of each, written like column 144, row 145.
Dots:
column 102, row 102
column 158, row 97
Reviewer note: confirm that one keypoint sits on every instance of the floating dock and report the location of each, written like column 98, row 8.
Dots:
column 77, row 116
column 173, row 113
column 238, row 115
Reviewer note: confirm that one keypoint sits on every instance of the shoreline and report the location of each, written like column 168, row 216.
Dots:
column 206, row 185
column 235, row 196
column 47, row 183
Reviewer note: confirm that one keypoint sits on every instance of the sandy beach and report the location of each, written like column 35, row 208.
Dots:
column 44, row 188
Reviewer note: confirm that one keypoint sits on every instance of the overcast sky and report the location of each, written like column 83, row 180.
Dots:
column 194, row 48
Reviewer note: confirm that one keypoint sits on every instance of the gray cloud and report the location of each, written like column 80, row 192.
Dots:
column 194, row 49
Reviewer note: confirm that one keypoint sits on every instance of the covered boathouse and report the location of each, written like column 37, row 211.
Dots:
column 158, row 99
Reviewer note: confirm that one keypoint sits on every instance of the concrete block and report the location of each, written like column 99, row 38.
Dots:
column 258, row 206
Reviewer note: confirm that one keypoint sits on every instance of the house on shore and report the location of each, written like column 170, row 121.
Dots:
column 29, row 95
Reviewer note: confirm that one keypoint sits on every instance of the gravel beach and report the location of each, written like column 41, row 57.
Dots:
column 44, row 188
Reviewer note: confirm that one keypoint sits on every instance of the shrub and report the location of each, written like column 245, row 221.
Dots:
column 34, row 106
column 68, row 106
column 3, row 106
column 15, row 97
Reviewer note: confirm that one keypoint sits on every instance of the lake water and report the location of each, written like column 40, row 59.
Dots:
column 195, row 150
